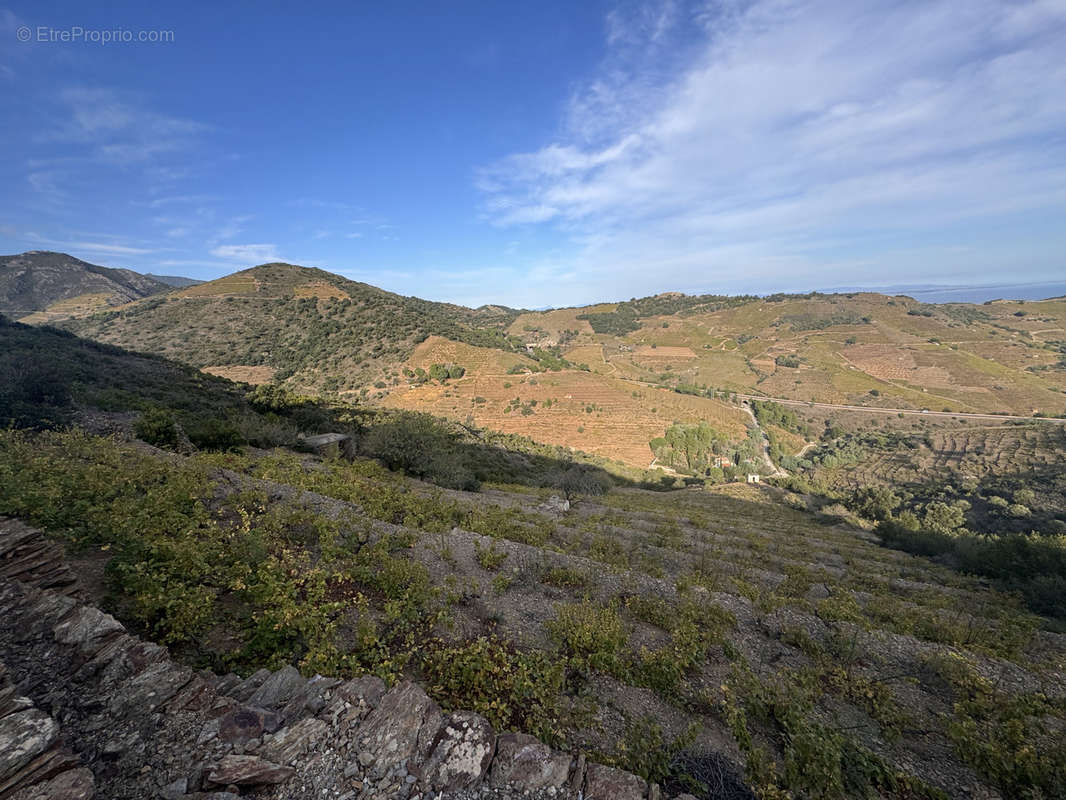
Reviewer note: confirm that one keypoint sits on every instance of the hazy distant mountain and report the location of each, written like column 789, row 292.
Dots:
column 176, row 281
column 57, row 285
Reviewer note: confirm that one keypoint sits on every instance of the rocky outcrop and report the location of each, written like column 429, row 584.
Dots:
column 34, row 763
column 523, row 760
column 85, row 706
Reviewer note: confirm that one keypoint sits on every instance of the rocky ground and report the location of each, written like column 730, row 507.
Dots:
column 88, row 710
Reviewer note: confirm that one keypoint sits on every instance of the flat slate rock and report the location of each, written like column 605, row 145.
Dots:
column 247, row 771
column 609, row 783
column 278, row 689
column 24, row 735
column 460, row 752
column 74, row 784
column 527, row 764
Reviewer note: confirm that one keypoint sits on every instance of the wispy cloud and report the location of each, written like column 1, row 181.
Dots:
column 247, row 253
column 232, row 227
column 82, row 136
column 180, row 199
column 118, row 131
column 780, row 134
column 113, row 248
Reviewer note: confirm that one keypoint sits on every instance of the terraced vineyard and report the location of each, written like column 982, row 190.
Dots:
column 719, row 636
column 594, row 413
column 957, row 452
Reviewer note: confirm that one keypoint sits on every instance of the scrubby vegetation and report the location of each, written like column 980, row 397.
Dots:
column 209, row 556
column 357, row 331
column 712, row 639
column 616, row 323
column 1009, row 526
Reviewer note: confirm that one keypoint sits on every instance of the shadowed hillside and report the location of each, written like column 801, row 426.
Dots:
column 51, row 286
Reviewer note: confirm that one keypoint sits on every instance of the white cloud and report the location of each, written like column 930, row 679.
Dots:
column 113, row 248
column 181, row 199
column 247, row 253
column 791, row 134
column 118, row 131
column 110, row 249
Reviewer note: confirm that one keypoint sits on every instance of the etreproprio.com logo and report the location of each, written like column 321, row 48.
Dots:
column 76, row 34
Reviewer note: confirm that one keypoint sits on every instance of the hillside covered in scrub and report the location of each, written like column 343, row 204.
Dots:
column 609, row 378
column 733, row 639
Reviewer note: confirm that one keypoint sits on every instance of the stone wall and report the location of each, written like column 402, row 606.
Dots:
column 85, row 707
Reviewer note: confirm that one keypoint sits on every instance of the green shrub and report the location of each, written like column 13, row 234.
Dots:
column 874, row 502
column 489, row 557
column 565, row 578
column 1014, row 741
column 157, row 426
column 594, row 637
column 513, row 690
column 1032, row 564
column 646, row 752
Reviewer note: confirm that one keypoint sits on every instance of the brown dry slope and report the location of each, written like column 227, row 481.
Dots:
column 594, row 413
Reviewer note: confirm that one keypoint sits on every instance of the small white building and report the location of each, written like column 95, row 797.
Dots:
column 753, row 478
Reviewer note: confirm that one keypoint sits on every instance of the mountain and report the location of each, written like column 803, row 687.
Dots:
column 306, row 326
column 176, row 281
column 56, row 285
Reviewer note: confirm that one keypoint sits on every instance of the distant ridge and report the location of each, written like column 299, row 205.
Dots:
column 176, row 281
column 58, row 285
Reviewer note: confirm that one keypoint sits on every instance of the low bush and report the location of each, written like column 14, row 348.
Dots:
column 157, row 426
column 513, row 690
column 592, row 636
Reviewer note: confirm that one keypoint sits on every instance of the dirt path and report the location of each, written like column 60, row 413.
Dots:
column 775, row 471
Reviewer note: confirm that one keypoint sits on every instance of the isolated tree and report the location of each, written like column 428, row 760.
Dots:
column 409, row 442
column 577, row 481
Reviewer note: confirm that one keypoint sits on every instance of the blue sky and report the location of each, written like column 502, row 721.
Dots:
column 545, row 153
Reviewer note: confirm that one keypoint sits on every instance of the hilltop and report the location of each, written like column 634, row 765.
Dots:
column 301, row 326
column 51, row 286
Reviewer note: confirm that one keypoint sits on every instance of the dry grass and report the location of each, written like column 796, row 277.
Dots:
column 254, row 375
column 321, row 290
column 476, row 360
column 553, row 323
column 594, row 413
column 80, row 306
